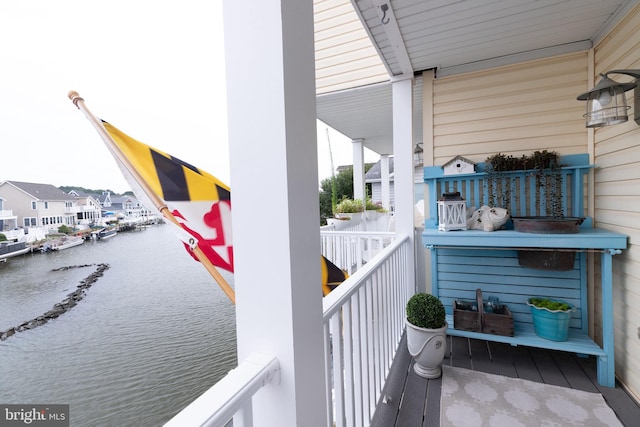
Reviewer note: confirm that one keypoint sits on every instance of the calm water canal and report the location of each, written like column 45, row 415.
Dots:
column 152, row 334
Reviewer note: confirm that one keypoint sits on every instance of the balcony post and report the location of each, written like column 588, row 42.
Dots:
column 269, row 54
column 358, row 170
column 403, row 170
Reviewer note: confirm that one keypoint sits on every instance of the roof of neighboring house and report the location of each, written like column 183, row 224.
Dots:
column 42, row 191
column 375, row 173
column 119, row 199
column 81, row 193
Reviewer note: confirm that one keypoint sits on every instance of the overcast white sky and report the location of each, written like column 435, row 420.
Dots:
column 154, row 69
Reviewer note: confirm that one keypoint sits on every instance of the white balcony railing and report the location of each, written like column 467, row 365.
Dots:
column 363, row 323
column 350, row 250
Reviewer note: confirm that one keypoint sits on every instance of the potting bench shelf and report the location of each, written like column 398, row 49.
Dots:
column 524, row 334
column 462, row 261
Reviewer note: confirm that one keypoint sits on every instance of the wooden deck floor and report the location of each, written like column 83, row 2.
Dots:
column 412, row 401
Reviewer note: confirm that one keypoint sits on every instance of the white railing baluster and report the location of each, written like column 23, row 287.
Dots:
column 338, row 369
column 329, row 376
column 357, row 361
column 349, row 401
column 244, row 416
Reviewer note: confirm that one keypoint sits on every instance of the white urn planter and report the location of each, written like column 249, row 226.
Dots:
column 355, row 217
column 372, row 215
column 427, row 347
column 339, row 223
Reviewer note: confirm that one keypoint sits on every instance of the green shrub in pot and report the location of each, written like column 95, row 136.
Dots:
column 426, row 334
column 425, row 311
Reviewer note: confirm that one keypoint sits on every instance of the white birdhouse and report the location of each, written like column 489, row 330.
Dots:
column 458, row 165
column 452, row 212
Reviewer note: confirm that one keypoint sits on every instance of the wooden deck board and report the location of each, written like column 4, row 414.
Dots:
column 459, row 352
column 387, row 409
column 547, row 367
column 502, row 357
column 627, row 409
column 524, row 364
column 419, row 401
column 413, row 402
column 432, row 410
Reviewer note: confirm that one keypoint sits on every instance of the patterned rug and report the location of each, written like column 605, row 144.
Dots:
column 471, row 398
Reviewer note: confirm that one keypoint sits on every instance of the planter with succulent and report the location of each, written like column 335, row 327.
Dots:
column 545, row 169
column 426, row 334
column 551, row 318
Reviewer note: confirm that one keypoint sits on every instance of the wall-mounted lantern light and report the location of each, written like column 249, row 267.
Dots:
column 606, row 103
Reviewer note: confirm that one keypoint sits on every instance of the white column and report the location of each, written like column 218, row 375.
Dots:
column 403, row 185
column 274, row 182
column 359, row 191
column 428, row 77
column 384, row 180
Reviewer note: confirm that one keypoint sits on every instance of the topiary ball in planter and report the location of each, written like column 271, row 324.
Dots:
column 426, row 334
column 425, row 311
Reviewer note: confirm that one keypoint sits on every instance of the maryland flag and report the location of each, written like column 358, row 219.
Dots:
column 332, row 276
column 199, row 201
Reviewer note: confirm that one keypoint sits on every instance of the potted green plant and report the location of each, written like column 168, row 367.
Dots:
column 350, row 208
column 373, row 210
column 551, row 317
column 426, row 334
column 347, row 205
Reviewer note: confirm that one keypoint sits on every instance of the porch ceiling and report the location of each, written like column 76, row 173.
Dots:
column 455, row 37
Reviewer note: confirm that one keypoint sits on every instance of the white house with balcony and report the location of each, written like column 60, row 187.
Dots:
column 89, row 209
column 8, row 221
column 39, row 205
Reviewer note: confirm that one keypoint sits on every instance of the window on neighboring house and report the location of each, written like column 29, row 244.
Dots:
column 46, row 205
column 34, row 205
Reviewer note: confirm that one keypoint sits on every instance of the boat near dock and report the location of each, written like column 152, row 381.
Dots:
column 105, row 233
column 11, row 249
column 61, row 243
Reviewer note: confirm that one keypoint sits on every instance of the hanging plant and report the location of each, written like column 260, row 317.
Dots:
column 543, row 165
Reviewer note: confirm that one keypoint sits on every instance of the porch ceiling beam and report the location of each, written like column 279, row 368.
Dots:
column 392, row 30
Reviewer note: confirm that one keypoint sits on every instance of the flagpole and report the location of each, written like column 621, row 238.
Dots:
column 164, row 210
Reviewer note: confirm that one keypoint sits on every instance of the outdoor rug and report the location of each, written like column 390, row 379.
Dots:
column 471, row 398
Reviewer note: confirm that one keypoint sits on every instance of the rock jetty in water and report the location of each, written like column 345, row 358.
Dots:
column 62, row 307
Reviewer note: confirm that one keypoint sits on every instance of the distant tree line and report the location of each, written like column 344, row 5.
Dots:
column 67, row 188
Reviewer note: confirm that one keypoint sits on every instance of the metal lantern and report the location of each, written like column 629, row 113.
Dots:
column 452, row 212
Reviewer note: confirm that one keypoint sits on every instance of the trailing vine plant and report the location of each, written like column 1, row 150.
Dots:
column 544, row 166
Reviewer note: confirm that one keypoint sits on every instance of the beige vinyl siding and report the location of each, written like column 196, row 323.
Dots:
column 345, row 56
column 617, row 198
column 514, row 109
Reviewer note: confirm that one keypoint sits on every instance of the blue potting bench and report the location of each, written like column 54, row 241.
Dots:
column 462, row 261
